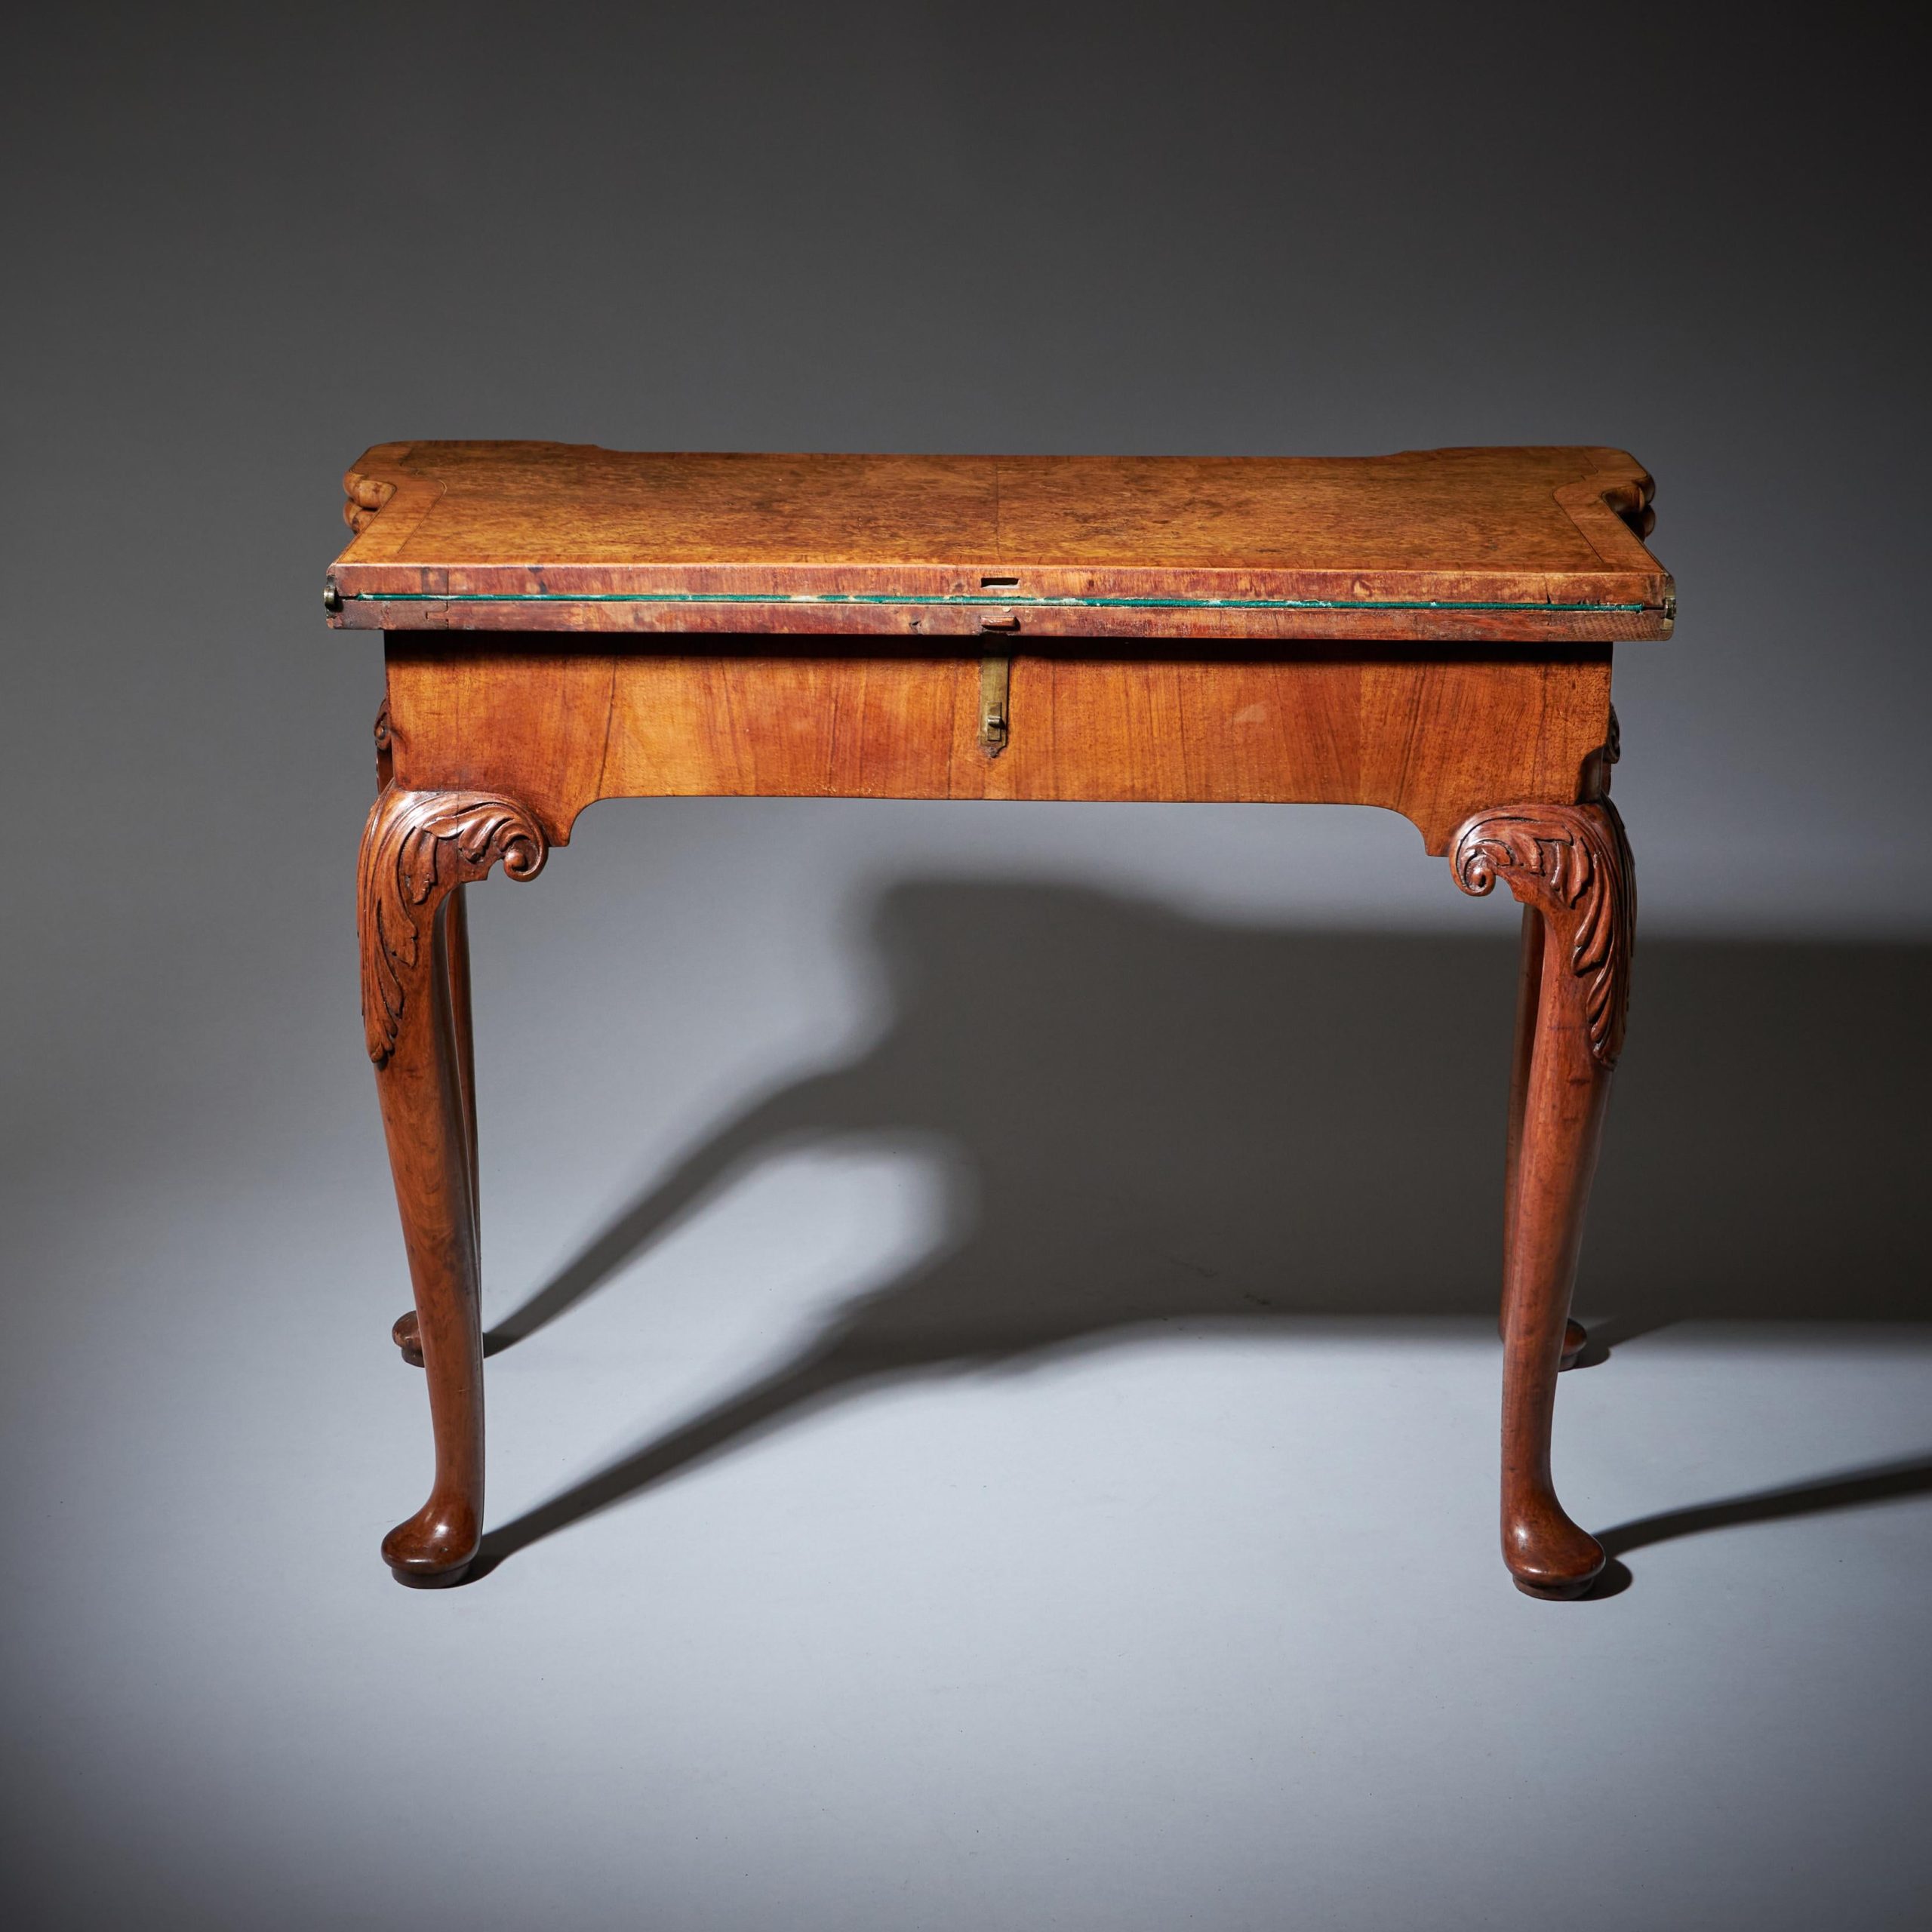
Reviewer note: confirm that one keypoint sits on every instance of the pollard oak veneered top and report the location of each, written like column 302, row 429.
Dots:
column 1520, row 544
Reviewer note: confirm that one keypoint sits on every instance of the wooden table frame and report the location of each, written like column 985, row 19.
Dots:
column 1485, row 720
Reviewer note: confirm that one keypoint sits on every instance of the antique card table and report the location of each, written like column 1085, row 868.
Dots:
column 1430, row 631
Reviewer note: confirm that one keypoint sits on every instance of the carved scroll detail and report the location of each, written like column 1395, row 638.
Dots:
column 362, row 497
column 416, row 847
column 1572, row 863
column 1597, row 766
column 385, row 747
column 1632, row 499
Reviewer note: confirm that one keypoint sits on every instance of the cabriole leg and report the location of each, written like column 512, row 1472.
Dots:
column 1529, row 998
column 1569, row 866
column 417, row 849
column 406, row 1333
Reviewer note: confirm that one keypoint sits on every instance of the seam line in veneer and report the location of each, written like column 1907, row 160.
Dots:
column 609, row 725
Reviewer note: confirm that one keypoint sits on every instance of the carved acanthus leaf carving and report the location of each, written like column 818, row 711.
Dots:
column 1572, row 863
column 417, row 846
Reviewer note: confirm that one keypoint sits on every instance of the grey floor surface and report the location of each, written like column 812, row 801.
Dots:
column 1004, row 1439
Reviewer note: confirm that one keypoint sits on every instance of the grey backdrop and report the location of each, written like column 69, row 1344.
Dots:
column 244, row 244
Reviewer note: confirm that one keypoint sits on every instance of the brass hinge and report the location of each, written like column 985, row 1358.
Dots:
column 995, row 682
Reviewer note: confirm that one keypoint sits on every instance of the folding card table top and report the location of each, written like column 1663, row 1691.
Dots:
column 1429, row 632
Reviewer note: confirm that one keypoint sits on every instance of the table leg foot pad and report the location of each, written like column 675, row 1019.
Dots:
column 428, row 1579
column 435, row 1546
column 1564, row 1592
column 405, row 1337
column 1576, row 1339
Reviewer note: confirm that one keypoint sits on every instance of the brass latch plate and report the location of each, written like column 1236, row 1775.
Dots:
column 995, row 685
